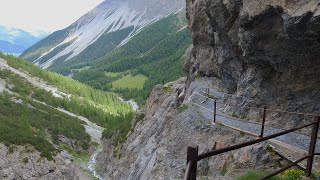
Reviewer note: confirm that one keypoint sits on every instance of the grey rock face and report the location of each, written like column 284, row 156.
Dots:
column 157, row 148
column 266, row 51
column 26, row 163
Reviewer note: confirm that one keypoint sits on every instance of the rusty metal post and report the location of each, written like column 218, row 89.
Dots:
column 263, row 121
column 215, row 111
column 192, row 157
column 312, row 146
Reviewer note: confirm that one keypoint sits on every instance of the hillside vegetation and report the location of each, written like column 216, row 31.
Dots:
column 103, row 108
column 24, row 121
column 155, row 52
column 130, row 82
column 46, row 44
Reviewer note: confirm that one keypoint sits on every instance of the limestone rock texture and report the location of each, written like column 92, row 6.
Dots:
column 25, row 162
column 266, row 51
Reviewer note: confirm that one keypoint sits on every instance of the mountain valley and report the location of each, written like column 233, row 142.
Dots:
column 130, row 47
column 43, row 107
column 167, row 89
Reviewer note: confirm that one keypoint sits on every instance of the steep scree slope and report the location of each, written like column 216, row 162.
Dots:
column 110, row 24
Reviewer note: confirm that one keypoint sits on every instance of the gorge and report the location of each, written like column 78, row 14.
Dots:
column 263, row 52
column 146, row 75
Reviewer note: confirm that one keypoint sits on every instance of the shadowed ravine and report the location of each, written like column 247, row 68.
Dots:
column 95, row 133
column 93, row 130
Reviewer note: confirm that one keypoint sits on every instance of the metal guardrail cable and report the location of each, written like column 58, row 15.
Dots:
column 237, row 119
column 204, row 96
column 260, row 108
column 229, row 95
column 202, row 107
column 297, row 113
column 226, row 116
column 222, row 103
column 248, row 107
column 248, row 121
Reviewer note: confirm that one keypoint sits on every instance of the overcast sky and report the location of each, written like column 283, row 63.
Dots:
column 43, row 15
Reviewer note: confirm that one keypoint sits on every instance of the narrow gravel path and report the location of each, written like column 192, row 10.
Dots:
column 205, row 106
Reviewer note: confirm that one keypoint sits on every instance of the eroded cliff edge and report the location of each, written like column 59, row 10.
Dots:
column 263, row 51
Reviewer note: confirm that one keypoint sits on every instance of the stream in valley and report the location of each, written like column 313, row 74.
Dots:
column 91, row 128
column 92, row 163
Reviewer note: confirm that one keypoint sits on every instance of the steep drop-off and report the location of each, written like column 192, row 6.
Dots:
column 45, row 131
column 264, row 52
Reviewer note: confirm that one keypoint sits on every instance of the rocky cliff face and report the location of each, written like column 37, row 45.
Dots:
column 157, row 148
column 265, row 51
column 24, row 162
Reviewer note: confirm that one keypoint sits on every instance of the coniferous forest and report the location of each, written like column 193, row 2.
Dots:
column 161, row 45
column 100, row 107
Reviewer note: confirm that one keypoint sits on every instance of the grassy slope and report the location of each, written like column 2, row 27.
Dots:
column 130, row 82
column 289, row 174
column 103, row 108
column 106, row 101
column 29, row 122
column 154, row 52
column 104, row 45
column 112, row 74
column 46, row 44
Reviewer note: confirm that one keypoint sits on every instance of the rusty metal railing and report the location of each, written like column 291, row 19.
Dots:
column 191, row 170
column 264, row 110
column 193, row 157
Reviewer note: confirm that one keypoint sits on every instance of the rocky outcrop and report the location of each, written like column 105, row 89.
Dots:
column 264, row 51
column 24, row 162
column 157, row 148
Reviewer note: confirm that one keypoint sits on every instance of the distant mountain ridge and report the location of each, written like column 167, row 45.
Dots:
column 109, row 25
column 15, row 41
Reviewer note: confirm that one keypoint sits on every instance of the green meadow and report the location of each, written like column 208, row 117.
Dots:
column 130, row 82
